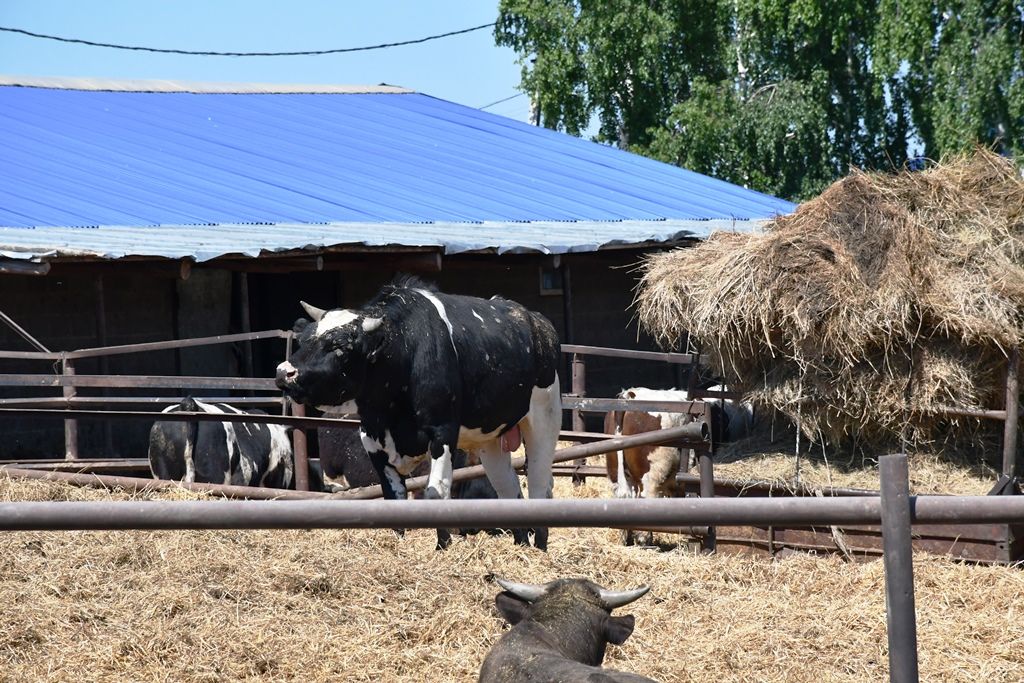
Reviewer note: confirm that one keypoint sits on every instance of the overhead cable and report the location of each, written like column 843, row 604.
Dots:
column 204, row 53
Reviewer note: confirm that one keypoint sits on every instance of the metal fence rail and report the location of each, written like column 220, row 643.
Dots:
column 428, row 514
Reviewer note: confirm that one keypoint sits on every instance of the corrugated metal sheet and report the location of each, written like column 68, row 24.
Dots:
column 115, row 173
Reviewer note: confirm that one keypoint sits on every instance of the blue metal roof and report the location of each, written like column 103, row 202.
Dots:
column 129, row 170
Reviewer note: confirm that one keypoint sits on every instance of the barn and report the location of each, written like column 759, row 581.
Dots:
column 135, row 211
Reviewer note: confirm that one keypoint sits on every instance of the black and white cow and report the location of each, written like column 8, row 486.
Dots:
column 236, row 453
column 560, row 631
column 428, row 373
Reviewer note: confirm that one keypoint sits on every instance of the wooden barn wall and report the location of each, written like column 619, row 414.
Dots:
column 61, row 311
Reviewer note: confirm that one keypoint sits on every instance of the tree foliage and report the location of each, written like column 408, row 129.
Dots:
column 779, row 95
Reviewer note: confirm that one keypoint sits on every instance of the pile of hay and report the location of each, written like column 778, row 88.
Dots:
column 328, row 606
column 867, row 309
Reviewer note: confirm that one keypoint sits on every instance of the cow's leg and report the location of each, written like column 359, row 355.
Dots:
column 498, row 466
column 392, row 484
column 540, row 430
column 439, row 483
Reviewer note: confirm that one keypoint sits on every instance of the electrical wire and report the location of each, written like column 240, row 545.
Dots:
column 510, row 97
column 243, row 54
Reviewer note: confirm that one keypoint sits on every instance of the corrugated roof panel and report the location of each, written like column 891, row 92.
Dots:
column 366, row 163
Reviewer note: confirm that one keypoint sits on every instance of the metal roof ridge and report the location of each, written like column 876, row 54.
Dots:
column 200, row 87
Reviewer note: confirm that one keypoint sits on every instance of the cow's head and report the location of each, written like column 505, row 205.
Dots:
column 334, row 349
column 577, row 610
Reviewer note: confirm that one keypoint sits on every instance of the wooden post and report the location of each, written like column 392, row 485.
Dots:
column 579, row 388
column 70, row 426
column 299, row 449
column 243, row 296
column 101, row 339
column 899, row 568
column 1010, row 429
column 706, row 470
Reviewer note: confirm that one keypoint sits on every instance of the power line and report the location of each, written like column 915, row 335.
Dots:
column 244, row 54
column 510, row 97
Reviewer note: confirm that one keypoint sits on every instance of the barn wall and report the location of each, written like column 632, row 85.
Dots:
column 62, row 312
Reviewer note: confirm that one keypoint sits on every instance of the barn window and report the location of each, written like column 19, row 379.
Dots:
column 550, row 281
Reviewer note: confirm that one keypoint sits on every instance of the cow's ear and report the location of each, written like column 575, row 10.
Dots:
column 511, row 607
column 300, row 325
column 618, row 629
column 372, row 338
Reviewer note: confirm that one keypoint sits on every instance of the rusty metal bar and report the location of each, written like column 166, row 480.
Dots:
column 604, row 405
column 137, row 381
column 176, row 344
column 299, row 450
column 692, row 432
column 86, row 401
column 899, row 568
column 143, row 347
column 139, row 484
column 23, row 333
column 70, row 426
column 1010, row 429
column 177, row 417
column 427, row 514
column 684, row 358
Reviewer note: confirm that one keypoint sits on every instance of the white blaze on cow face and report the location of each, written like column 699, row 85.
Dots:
column 429, row 296
column 332, row 320
column 439, row 484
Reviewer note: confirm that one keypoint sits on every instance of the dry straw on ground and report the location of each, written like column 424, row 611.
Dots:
column 367, row 606
column 866, row 310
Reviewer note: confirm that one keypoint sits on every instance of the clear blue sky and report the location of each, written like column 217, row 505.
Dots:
column 468, row 69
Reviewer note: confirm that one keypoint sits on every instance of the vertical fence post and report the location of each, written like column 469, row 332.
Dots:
column 899, row 568
column 1010, row 467
column 579, row 389
column 299, row 449
column 707, row 475
column 70, row 426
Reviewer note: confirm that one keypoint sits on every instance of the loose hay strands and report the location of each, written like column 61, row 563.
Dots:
column 870, row 307
column 367, row 606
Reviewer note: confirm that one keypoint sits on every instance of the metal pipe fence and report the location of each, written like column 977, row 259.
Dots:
column 429, row 514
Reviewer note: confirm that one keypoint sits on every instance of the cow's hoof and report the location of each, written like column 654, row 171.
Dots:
column 521, row 536
column 627, row 537
column 444, row 539
column 399, row 532
column 643, row 538
column 540, row 539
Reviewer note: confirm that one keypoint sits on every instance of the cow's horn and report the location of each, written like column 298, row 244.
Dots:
column 524, row 591
column 613, row 599
column 313, row 312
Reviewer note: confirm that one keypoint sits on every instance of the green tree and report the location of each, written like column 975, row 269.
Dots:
column 778, row 95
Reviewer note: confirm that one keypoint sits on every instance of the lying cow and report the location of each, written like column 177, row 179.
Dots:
column 237, row 453
column 429, row 373
column 559, row 633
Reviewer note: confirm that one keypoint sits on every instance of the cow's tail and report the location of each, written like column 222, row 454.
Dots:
column 189, row 405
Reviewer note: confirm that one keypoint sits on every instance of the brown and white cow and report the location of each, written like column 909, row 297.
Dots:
column 648, row 471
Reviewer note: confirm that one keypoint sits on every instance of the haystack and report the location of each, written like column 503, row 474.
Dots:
column 868, row 309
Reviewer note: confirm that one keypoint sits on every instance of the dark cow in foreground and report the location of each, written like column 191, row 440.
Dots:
column 429, row 373
column 236, row 453
column 559, row 633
